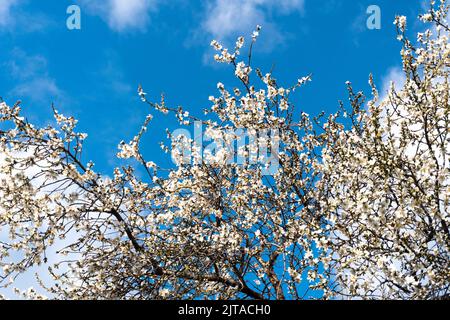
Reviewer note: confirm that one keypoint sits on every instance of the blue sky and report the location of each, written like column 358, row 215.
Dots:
column 93, row 73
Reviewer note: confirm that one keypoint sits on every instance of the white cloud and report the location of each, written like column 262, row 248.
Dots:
column 231, row 18
column 15, row 18
column 40, row 89
column 112, row 75
column 32, row 79
column 122, row 15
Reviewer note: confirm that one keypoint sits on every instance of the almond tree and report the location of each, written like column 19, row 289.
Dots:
column 386, row 177
column 273, row 209
column 212, row 227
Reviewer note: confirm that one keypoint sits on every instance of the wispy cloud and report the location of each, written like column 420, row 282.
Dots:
column 225, row 19
column 31, row 78
column 6, row 7
column 122, row 15
column 359, row 24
